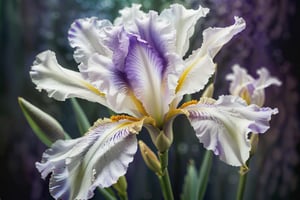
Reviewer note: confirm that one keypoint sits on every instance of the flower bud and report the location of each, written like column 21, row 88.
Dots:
column 150, row 158
column 44, row 126
column 162, row 142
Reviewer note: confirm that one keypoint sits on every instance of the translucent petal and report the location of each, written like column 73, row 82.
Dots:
column 61, row 83
column 86, row 35
column 97, row 159
column 184, row 21
column 223, row 126
column 199, row 65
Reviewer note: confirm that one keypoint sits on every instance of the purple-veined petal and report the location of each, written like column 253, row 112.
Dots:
column 118, row 42
column 199, row 65
column 109, row 75
column 97, row 159
column 223, row 126
column 159, row 34
column 61, row 83
column 86, row 35
column 144, row 70
column 105, row 76
column 184, row 21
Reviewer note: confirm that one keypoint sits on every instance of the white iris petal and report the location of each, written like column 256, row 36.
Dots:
column 97, row 159
column 199, row 65
column 223, row 126
column 184, row 21
column 61, row 83
column 86, row 35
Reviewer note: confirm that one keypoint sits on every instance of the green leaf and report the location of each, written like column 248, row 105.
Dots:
column 190, row 183
column 81, row 119
column 204, row 174
column 43, row 125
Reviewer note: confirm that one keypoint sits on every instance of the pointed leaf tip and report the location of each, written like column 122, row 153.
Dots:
column 43, row 125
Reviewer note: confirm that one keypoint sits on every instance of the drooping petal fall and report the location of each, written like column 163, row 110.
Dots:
column 223, row 126
column 61, row 83
column 97, row 159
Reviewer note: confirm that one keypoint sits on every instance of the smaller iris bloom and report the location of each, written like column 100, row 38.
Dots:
column 250, row 89
column 138, row 67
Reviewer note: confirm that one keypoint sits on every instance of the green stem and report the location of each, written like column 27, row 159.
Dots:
column 204, row 174
column 242, row 181
column 244, row 169
column 241, row 186
column 107, row 194
column 164, row 178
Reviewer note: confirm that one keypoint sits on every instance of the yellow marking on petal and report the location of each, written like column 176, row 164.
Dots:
column 138, row 104
column 173, row 113
column 244, row 94
column 122, row 117
column 92, row 88
column 134, row 124
column 189, row 103
column 185, row 73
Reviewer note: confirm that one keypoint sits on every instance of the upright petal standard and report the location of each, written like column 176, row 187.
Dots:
column 138, row 67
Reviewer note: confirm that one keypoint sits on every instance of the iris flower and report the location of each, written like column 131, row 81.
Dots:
column 250, row 89
column 138, row 67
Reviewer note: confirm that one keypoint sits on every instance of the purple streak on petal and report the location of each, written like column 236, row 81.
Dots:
column 250, row 88
column 77, row 23
column 120, row 80
column 71, row 35
column 117, row 41
column 132, row 65
column 158, row 35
